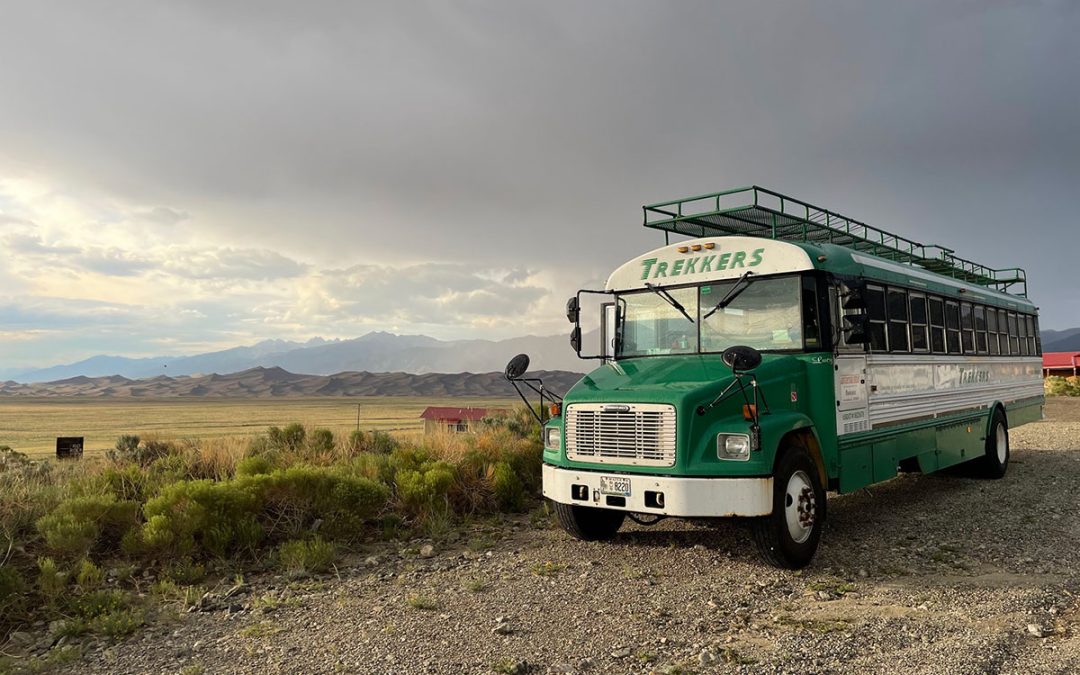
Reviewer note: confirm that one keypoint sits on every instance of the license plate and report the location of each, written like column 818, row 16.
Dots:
column 611, row 485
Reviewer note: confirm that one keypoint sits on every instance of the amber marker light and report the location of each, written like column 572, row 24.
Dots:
column 749, row 412
column 710, row 246
column 683, row 249
column 555, row 409
column 695, row 247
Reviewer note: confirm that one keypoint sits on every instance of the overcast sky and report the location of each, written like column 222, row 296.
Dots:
column 178, row 177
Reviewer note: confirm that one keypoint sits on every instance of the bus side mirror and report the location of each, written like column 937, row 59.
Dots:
column 575, row 340
column 855, row 329
column 573, row 310
column 854, row 299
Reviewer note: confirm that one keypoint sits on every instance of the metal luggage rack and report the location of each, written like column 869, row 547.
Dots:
column 757, row 212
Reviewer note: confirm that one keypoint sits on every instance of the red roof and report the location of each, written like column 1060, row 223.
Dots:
column 1061, row 360
column 454, row 414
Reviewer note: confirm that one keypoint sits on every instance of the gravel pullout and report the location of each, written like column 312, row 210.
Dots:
column 923, row 574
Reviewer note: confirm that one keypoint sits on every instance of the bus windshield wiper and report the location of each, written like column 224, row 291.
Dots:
column 670, row 300
column 729, row 298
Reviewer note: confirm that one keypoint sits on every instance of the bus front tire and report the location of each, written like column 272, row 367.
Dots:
column 788, row 538
column 995, row 462
column 587, row 523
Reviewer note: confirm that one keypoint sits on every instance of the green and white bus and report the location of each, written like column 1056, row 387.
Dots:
column 779, row 352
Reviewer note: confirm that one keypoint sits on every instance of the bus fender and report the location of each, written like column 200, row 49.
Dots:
column 792, row 429
column 996, row 405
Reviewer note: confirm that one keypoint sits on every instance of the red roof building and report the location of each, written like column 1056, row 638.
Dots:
column 454, row 420
column 1064, row 364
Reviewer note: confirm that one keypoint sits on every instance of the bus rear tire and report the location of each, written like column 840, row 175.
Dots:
column 587, row 523
column 788, row 538
column 995, row 462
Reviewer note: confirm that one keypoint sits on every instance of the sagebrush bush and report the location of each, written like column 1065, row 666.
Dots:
column 1062, row 386
column 299, row 557
column 378, row 442
column 88, row 576
column 12, row 591
column 289, row 439
column 426, row 488
column 79, row 525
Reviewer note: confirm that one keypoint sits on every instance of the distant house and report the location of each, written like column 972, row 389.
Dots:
column 1064, row 364
column 454, row 420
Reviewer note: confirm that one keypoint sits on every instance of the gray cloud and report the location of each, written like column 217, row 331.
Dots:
column 286, row 138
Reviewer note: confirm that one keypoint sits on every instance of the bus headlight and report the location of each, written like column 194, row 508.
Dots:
column 733, row 446
column 551, row 438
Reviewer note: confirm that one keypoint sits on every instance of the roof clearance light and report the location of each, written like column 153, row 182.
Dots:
column 695, row 247
column 684, row 249
column 709, row 245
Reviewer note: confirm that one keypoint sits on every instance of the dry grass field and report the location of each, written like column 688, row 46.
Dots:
column 32, row 425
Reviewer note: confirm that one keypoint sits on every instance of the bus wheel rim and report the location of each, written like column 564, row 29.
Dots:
column 1001, row 440
column 800, row 507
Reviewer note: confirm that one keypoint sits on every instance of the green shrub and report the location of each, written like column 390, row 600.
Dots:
column 420, row 491
column 88, row 576
column 290, row 439
column 509, row 490
column 190, row 517
column 254, row 465
column 12, row 592
column 52, row 582
column 300, row 557
column 321, row 442
column 127, row 444
column 377, row 442
column 108, row 613
column 80, row 524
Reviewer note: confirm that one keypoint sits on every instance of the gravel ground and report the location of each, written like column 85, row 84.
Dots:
column 923, row 574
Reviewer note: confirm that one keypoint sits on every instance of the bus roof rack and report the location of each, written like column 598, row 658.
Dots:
column 757, row 212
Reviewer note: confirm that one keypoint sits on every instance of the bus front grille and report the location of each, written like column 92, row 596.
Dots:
column 638, row 434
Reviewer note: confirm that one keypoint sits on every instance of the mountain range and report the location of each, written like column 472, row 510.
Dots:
column 273, row 382
column 376, row 352
column 1067, row 340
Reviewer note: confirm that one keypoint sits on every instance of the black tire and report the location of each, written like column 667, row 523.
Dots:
column 995, row 460
column 587, row 523
column 772, row 534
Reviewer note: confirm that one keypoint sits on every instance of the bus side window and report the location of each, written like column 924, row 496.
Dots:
column 1024, row 348
column 952, row 327
column 919, row 339
column 875, row 311
column 980, row 329
column 967, row 325
column 1014, row 335
column 1035, row 332
column 898, row 320
column 1003, row 330
column 1032, row 336
column 992, row 330
column 937, row 325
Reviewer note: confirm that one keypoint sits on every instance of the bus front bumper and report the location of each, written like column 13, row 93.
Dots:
column 661, row 495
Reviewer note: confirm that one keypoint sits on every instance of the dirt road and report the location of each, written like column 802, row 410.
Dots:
column 926, row 574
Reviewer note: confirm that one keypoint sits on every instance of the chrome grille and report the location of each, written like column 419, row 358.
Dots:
column 640, row 434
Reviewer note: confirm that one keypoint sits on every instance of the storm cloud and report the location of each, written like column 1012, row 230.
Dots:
column 458, row 168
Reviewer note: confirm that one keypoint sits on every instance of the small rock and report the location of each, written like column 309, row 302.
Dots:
column 561, row 668
column 586, row 664
column 57, row 626
column 706, row 658
column 502, row 629
column 620, row 653
column 371, row 560
column 1036, row 630
column 427, row 551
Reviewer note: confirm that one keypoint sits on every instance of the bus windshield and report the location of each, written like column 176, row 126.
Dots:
column 765, row 314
